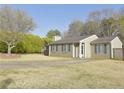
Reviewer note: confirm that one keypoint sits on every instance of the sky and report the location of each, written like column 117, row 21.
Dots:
column 58, row 16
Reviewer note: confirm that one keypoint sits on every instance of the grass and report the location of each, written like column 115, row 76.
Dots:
column 92, row 74
column 33, row 57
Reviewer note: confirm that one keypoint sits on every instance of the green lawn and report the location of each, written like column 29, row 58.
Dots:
column 92, row 74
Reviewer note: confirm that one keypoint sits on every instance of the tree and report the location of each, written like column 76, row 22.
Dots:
column 30, row 44
column 120, row 27
column 108, row 26
column 95, row 16
column 13, row 25
column 53, row 33
column 109, row 13
column 3, row 47
column 93, row 22
column 75, row 29
column 90, row 28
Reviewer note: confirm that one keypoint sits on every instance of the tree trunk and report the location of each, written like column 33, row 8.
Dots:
column 9, row 49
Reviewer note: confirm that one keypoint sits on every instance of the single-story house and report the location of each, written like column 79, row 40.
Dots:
column 72, row 46
column 103, row 47
column 85, row 46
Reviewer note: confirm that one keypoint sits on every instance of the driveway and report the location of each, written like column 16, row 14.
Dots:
column 37, row 64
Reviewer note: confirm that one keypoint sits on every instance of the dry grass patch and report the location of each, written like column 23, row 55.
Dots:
column 93, row 74
column 33, row 57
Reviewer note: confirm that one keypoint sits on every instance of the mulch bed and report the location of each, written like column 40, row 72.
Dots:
column 11, row 56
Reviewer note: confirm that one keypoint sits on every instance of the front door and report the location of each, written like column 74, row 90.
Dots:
column 82, row 51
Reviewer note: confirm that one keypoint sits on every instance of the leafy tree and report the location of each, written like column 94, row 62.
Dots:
column 13, row 25
column 20, row 48
column 53, row 33
column 30, row 44
column 46, row 42
column 3, row 47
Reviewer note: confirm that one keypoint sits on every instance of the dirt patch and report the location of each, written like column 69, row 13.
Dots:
column 11, row 56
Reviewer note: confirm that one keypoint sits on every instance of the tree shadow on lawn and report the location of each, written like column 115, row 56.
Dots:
column 5, row 83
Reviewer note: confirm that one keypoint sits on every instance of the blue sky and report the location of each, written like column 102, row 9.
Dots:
column 59, row 16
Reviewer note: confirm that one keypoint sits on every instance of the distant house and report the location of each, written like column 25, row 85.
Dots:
column 72, row 46
column 103, row 47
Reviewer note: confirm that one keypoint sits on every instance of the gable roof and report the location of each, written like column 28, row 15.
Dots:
column 103, row 40
column 70, row 40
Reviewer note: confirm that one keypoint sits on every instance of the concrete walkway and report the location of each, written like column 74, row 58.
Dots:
column 36, row 64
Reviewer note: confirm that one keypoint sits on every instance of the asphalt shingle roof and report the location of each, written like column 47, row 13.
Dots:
column 103, row 40
column 70, row 40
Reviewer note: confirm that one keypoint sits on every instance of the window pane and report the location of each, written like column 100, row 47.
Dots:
column 65, row 47
column 51, row 47
column 69, row 47
column 101, row 49
column 56, row 47
column 62, row 47
column 98, row 48
column 95, row 48
column 105, row 48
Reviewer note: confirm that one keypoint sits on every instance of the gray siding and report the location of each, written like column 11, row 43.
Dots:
column 65, row 52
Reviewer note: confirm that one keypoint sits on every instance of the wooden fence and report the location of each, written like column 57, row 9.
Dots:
column 118, row 53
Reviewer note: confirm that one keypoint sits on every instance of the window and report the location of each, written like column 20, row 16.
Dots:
column 69, row 47
column 105, row 48
column 62, row 48
column 100, row 48
column 56, row 47
column 96, row 48
column 51, row 48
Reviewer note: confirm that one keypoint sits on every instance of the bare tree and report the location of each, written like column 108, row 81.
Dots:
column 89, row 28
column 93, row 22
column 13, row 25
column 75, row 28
column 95, row 16
column 108, row 13
column 101, row 22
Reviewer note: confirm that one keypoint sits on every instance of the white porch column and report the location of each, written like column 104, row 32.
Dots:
column 73, row 50
column 80, row 46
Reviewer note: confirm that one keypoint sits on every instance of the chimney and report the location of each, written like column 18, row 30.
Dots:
column 56, row 38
